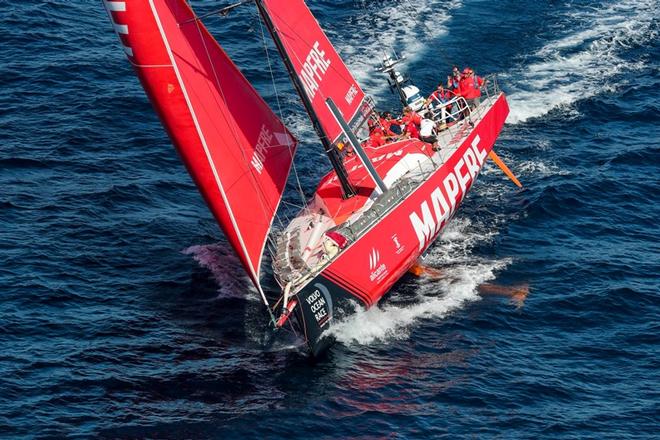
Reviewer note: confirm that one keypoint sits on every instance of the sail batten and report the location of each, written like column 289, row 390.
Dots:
column 236, row 149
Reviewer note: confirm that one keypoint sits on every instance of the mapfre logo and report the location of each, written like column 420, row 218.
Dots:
column 266, row 141
column 434, row 215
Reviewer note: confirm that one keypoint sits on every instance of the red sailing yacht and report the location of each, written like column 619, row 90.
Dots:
column 370, row 218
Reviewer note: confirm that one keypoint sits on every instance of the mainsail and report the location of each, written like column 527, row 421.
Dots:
column 318, row 66
column 235, row 148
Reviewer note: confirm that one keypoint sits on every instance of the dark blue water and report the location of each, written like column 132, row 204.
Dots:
column 124, row 315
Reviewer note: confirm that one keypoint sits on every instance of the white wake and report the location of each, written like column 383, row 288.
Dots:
column 404, row 26
column 433, row 298
column 585, row 61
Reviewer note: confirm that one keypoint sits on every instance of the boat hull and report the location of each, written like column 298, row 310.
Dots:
column 364, row 271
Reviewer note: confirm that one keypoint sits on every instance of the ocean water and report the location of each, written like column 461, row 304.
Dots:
column 123, row 314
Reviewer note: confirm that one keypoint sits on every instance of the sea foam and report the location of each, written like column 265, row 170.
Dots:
column 462, row 273
column 583, row 63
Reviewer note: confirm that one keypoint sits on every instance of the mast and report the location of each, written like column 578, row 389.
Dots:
column 330, row 149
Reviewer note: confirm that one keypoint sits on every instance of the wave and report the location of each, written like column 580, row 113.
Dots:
column 462, row 273
column 584, row 63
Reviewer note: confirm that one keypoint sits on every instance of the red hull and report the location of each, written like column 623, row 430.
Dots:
column 369, row 266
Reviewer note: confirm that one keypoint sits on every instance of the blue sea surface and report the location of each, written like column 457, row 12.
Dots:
column 124, row 314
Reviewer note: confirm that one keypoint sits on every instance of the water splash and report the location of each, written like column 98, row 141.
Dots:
column 435, row 299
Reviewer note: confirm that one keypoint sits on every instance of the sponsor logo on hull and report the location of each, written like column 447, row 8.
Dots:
column 435, row 212
column 320, row 304
column 378, row 269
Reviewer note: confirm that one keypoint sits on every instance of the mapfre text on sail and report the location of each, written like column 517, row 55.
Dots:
column 313, row 70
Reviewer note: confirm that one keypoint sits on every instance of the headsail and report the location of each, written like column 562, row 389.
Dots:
column 318, row 66
column 236, row 149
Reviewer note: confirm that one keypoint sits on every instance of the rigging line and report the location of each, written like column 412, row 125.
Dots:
column 234, row 134
column 279, row 105
column 293, row 204
column 277, row 216
column 222, row 11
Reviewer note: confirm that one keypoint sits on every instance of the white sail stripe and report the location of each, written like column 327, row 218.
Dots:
column 206, row 149
column 115, row 6
column 120, row 28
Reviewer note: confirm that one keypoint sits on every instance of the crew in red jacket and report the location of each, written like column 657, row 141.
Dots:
column 470, row 87
column 376, row 137
column 412, row 121
column 454, row 79
column 439, row 96
column 386, row 123
column 410, row 115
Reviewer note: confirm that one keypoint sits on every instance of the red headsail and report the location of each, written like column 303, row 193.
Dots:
column 318, row 65
column 237, row 151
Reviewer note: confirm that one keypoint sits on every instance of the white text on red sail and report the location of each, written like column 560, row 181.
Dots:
column 313, row 70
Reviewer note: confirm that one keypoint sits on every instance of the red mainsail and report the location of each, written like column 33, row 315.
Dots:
column 235, row 148
column 318, row 66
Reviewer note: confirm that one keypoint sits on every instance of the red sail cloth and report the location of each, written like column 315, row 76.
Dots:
column 317, row 63
column 236, row 149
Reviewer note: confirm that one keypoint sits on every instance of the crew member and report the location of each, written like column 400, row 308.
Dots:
column 410, row 115
column 453, row 80
column 470, row 87
column 428, row 133
column 440, row 95
column 386, row 122
column 377, row 137
column 439, row 98
column 411, row 121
